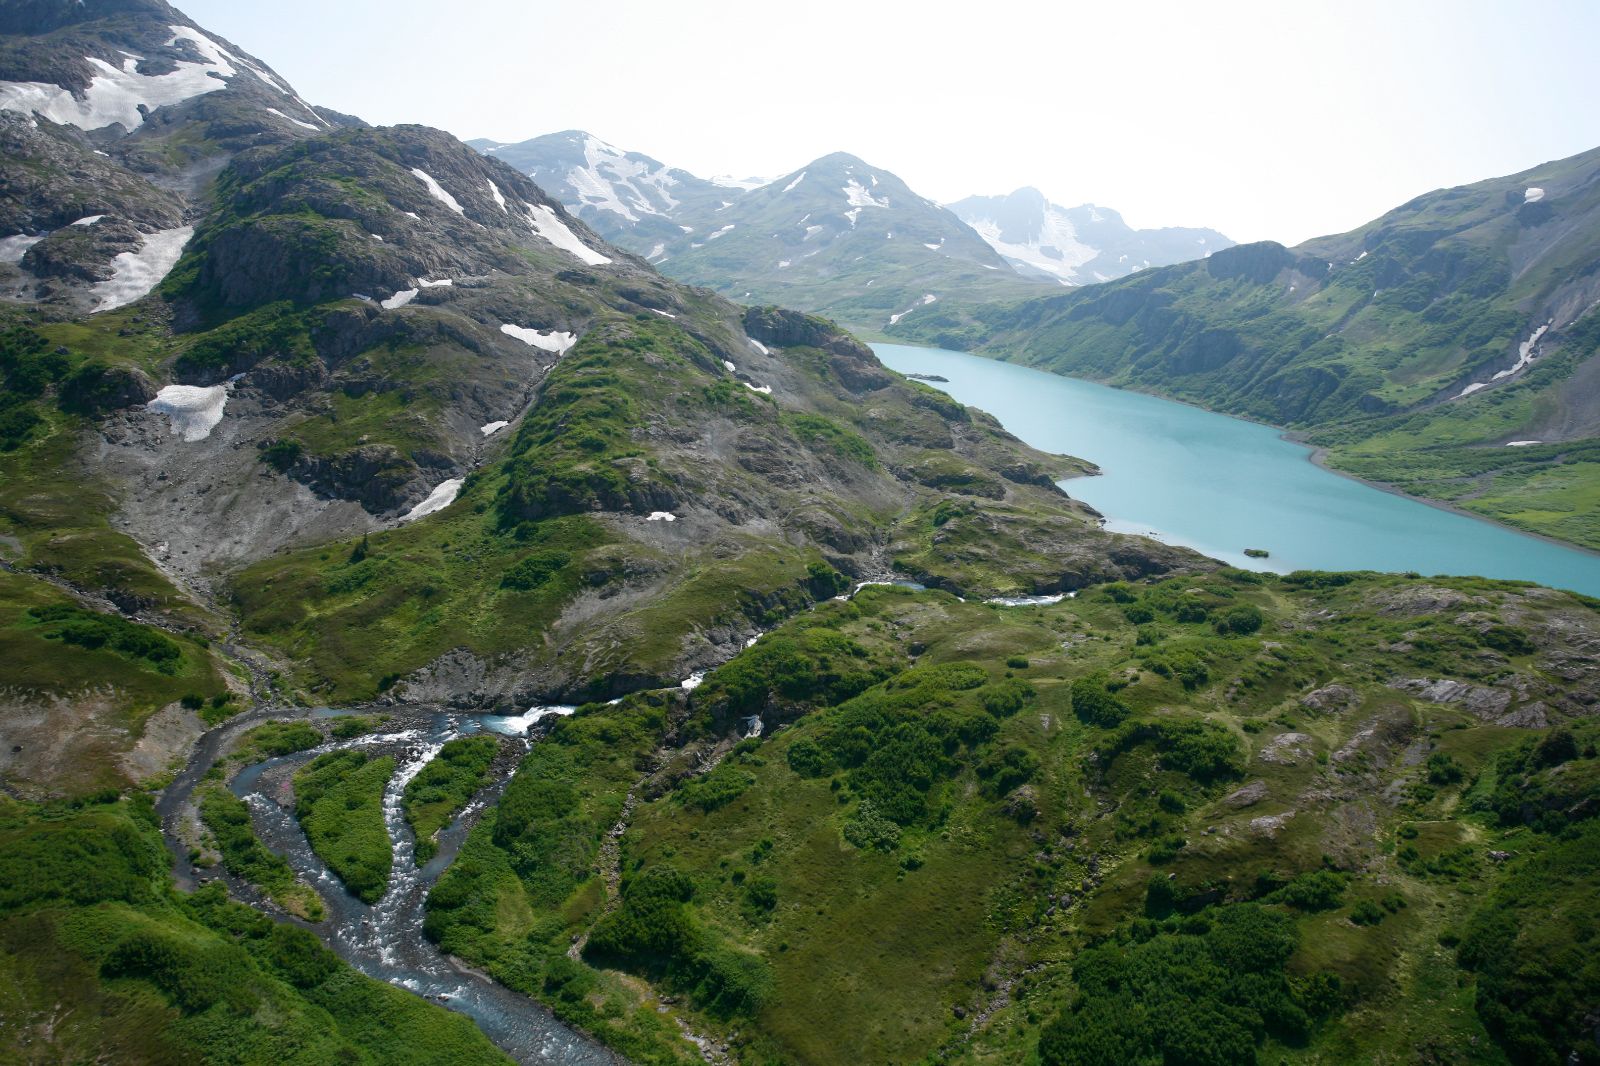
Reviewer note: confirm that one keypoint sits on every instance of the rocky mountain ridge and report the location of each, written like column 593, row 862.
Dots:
column 240, row 412
column 837, row 236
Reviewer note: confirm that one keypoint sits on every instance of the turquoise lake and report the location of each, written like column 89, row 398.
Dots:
column 1221, row 485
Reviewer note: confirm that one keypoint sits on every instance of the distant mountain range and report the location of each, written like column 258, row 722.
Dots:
column 840, row 235
column 1077, row 245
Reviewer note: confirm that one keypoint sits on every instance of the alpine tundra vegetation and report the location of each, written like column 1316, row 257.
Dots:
column 430, row 634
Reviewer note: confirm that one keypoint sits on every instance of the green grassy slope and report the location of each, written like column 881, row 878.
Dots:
column 1187, row 777
column 102, row 961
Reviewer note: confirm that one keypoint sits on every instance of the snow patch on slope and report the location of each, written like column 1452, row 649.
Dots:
column 547, row 225
column 742, row 184
column 1526, row 355
column 443, row 495
column 856, row 195
column 1055, row 249
column 610, row 181
column 297, row 122
column 927, row 299
column 553, row 341
column 139, row 272
column 437, row 191
column 192, row 410
column 115, row 94
column 12, row 249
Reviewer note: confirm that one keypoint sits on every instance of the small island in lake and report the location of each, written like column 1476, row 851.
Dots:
column 927, row 377
column 1257, row 553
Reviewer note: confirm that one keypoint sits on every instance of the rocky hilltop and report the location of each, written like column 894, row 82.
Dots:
column 383, row 334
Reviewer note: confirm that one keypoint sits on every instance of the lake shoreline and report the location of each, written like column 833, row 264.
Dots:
column 1319, row 458
column 1219, row 483
column 1317, row 454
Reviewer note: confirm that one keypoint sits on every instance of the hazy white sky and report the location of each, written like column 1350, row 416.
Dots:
column 1265, row 120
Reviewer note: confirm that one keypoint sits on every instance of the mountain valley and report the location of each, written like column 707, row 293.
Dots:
column 450, row 615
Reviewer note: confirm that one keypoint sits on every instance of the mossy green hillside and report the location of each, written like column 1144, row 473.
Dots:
column 529, row 877
column 88, row 916
column 54, row 511
column 544, row 526
column 95, row 679
column 953, row 803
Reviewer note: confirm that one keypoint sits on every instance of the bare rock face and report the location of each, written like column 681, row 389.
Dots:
column 1486, row 703
column 1331, row 699
column 1270, row 825
column 1378, row 741
column 373, row 475
column 1248, row 796
column 100, row 390
column 1423, row 600
column 1287, row 749
column 857, row 368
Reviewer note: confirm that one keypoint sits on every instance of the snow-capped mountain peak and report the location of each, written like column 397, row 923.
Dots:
column 1077, row 245
column 122, row 88
column 618, row 191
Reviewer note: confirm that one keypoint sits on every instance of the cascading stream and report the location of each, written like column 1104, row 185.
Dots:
column 385, row 940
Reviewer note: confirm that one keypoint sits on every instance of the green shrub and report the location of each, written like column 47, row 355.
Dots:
column 192, row 973
column 339, row 802
column 1007, row 768
column 228, row 819
column 1241, row 620
column 813, row 666
column 761, row 893
column 444, row 786
column 653, row 931
column 1319, row 890
column 534, row 571
column 1094, row 705
column 1507, row 639
column 88, row 629
column 1203, row 994
column 1367, row 913
column 716, row 789
column 1531, row 945
column 1444, row 770
column 282, row 454
column 869, row 830
column 1005, row 698
column 93, row 857
column 281, row 738
column 808, row 759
